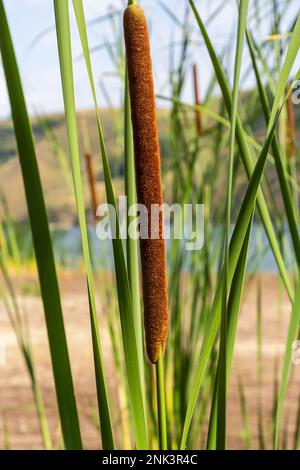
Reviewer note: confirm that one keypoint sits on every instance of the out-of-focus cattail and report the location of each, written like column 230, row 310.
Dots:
column 291, row 131
column 148, row 178
column 198, row 116
column 92, row 183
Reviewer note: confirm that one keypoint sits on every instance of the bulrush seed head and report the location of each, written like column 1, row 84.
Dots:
column 148, row 178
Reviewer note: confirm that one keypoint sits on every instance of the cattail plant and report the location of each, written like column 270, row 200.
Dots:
column 149, row 193
column 148, row 178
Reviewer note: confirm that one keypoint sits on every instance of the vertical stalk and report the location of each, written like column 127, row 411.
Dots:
column 41, row 415
column 132, row 244
column 63, row 34
column 198, row 116
column 161, row 403
column 222, row 363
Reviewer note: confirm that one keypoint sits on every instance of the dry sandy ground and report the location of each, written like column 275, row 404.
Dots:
column 16, row 397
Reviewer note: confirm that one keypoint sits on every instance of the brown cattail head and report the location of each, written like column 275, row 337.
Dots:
column 148, row 178
column 291, row 131
column 92, row 183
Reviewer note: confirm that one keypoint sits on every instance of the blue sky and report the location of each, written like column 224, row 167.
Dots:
column 39, row 64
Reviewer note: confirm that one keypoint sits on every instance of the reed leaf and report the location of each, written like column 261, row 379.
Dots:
column 64, row 48
column 289, row 61
column 252, row 194
column 234, row 303
column 129, row 334
column 42, row 243
column 283, row 180
column 246, row 208
column 245, row 154
column 235, row 247
column 131, row 243
column 222, row 363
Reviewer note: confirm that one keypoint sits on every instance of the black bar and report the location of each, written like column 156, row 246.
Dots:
column 135, row 459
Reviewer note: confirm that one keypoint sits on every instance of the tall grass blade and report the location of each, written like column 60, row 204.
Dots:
column 64, row 48
column 236, row 244
column 252, row 194
column 285, row 188
column 20, row 327
column 245, row 154
column 297, row 426
column 259, row 369
column 234, row 303
column 222, row 363
column 42, row 243
column 124, row 295
column 244, row 415
column 289, row 61
column 131, row 243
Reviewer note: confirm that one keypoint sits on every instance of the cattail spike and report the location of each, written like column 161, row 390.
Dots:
column 291, row 134
column 92, row 183
column 148, row 178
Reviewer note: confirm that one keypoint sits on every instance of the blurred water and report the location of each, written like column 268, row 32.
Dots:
column 67, row 247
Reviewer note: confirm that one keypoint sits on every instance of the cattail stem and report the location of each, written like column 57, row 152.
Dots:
column 148, row 179
column 161, row 403
column 198, row 115
column 132, row 254
column 92, row 183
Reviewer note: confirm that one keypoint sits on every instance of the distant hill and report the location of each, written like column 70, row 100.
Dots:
column 51, row 148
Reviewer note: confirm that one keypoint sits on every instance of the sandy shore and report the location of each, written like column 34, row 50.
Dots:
column 19, row 415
